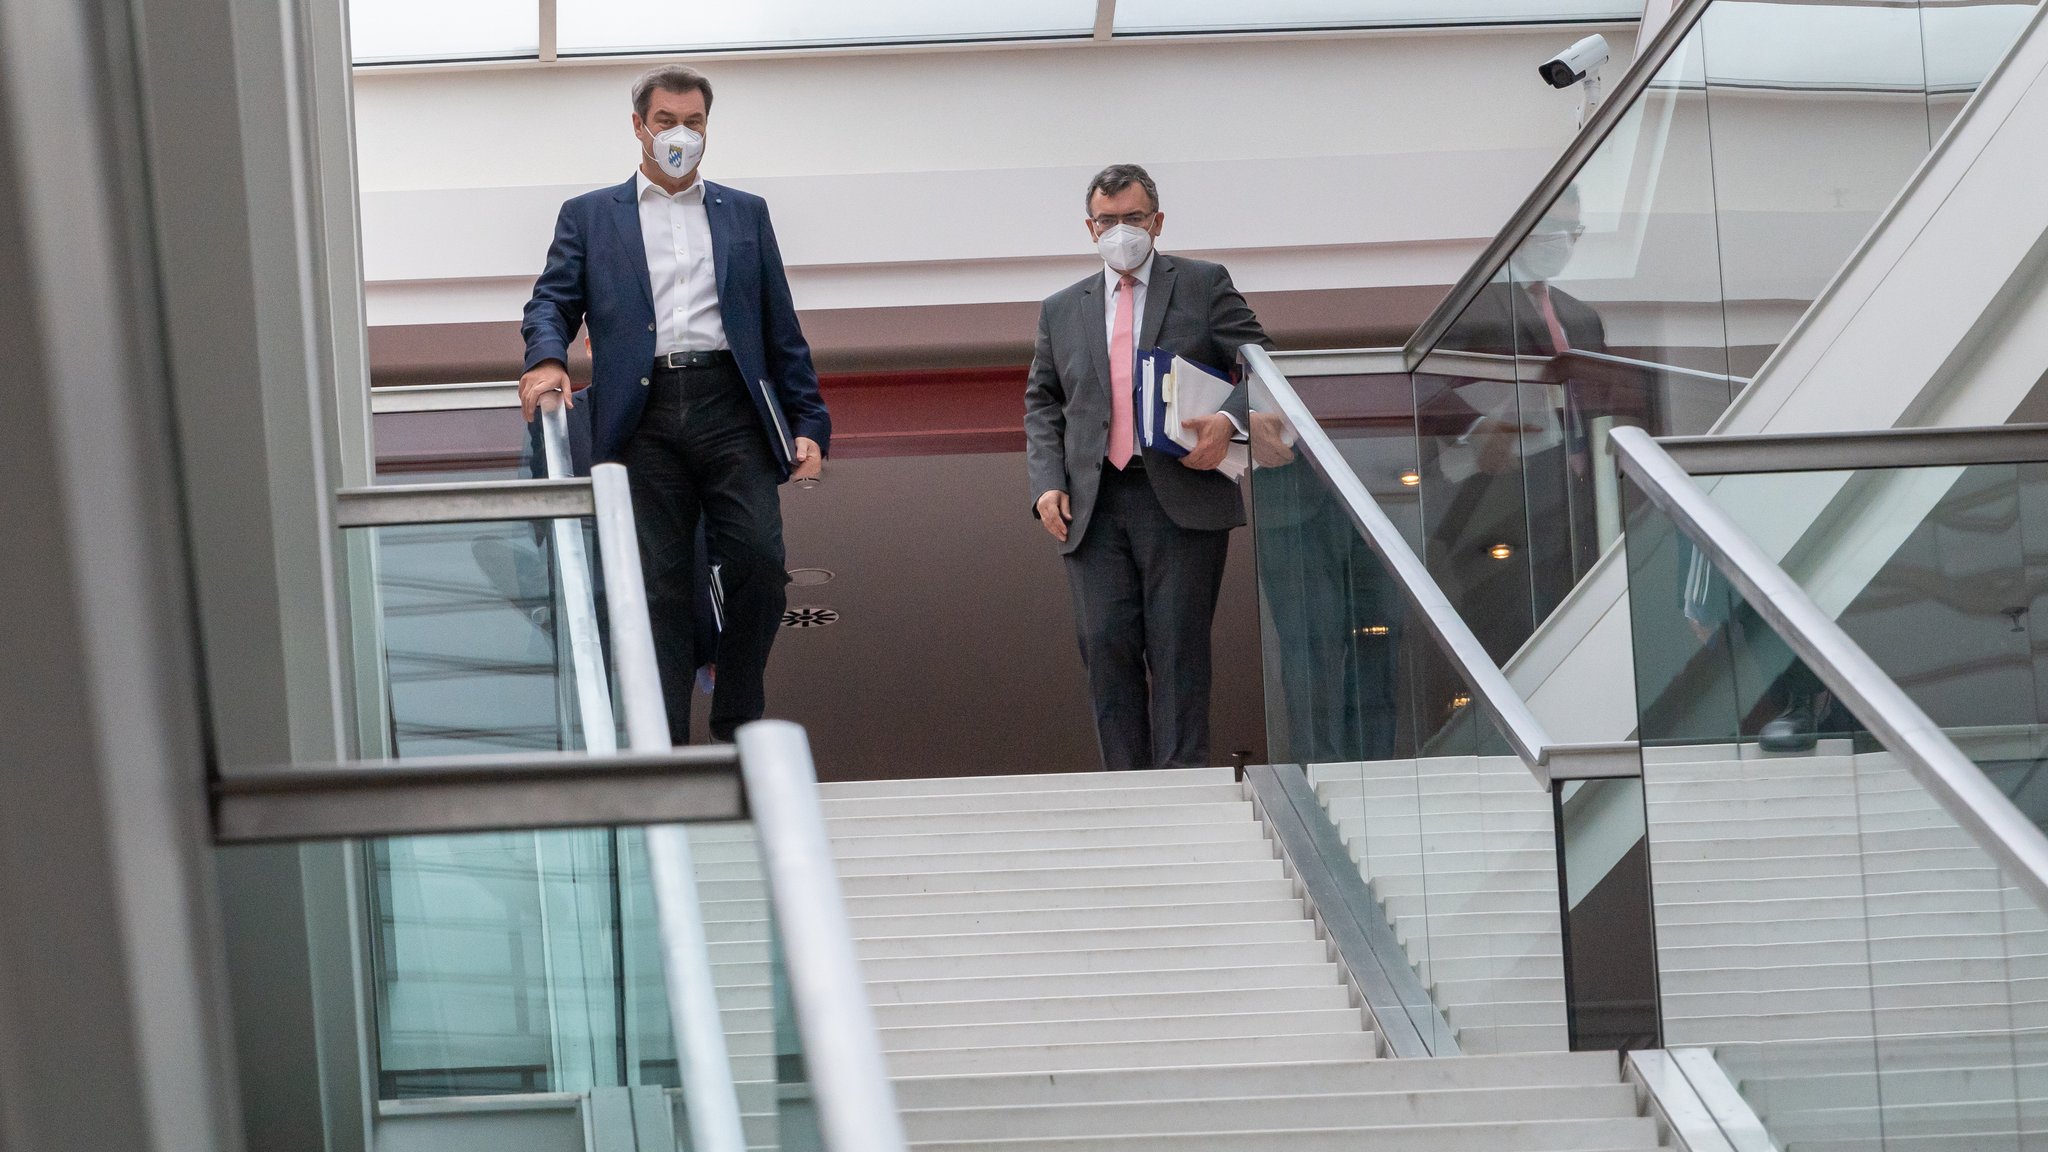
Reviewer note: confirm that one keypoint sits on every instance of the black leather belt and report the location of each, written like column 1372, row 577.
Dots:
column 676, row 360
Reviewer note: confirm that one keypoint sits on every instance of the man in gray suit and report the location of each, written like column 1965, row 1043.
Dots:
column 1145, row 534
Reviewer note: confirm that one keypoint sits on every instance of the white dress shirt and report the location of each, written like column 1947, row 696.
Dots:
column 680, row 274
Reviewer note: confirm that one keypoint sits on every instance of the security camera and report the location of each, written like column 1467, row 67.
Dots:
column 1574, row 63
column 1577, row 64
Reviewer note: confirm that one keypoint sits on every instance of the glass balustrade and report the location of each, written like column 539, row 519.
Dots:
column 1862, row 968
column 1446, row 824
column 1653, row 284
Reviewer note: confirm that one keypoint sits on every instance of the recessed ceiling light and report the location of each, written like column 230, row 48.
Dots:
column 810, row 577
column 1410, row 478
column 1501, row 551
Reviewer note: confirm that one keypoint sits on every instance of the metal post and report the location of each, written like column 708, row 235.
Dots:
column 713, row 1104
column 842, row 1049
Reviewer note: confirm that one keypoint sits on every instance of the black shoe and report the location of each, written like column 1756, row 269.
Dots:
column 1792, row 730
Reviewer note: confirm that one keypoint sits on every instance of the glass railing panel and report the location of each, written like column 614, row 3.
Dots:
column 541, row 1008
column 1659, row 278
column 1861, row 966
column 1964, row 40
column 1933, row 572
column 476, row 653
column 1445, row 822
column 1818, row 114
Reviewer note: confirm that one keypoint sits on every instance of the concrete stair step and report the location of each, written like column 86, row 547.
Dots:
column 1608, row 1135
column 1073, row 919
column 1036, row 782
column 1152, row 796
column 1061, row 1058
column 972, row 945
column 1221, row 980
column 1219, row 1026
column 1133, row 895
column 1556, row 1070
column 1234, row 811
column 1129, row 1006
column 1043, row 878
column 1041, row 839
column 1098, row 960
column 1271, row 1112
column 1037, row 859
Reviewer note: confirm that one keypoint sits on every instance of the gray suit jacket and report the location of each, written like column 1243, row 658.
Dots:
column 1192, row 310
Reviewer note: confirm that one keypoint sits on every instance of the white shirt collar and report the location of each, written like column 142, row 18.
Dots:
column 1110, row 276
column 694, row 194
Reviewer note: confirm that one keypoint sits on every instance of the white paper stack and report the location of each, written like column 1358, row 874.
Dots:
column 1192, row 391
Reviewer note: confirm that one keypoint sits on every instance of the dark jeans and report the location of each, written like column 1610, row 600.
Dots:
column 1144, row 597
column 700, row 450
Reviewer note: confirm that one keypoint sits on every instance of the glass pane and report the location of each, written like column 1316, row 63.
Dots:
column 393, row 30
column 1819, row 117
column 476, row 653
column 1213, row 15
column 1861, row 968
column 1964, row 40
column 1469, row 423
column 1450, row 831
column 1334, row 618
column 591, row 26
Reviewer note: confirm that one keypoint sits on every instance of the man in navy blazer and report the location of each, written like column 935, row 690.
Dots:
column 701, row 385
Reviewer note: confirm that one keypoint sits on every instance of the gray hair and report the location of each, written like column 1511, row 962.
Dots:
column 1116, row 178
column 669, row 78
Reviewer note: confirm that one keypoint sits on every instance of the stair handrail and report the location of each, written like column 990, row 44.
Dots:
column 1621, row 100
column 1955, row 781
column 1490, row 687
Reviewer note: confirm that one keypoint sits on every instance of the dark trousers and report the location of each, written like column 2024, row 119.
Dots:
column 700, row 452
column 1144, row 598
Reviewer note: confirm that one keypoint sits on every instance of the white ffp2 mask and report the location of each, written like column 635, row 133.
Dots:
column 1124, row 247
column 1542, row 256
column 677, row 151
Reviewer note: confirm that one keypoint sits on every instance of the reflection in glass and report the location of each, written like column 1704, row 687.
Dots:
column 1450, row 832
column 1964, row 40
column 1819, row 115
column 1858, row 964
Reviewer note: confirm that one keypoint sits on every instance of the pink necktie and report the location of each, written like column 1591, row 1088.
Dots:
column 1122, row 432
column 1541, row 291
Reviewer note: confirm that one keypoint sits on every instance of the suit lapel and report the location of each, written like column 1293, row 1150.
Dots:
column 1095, row 333
column 721, row 214
column 1157, row 293
column 626, row 218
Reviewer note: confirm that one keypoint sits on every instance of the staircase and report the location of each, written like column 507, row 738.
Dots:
column 1818, row 916
column 1825, row 904
column 1063, row 963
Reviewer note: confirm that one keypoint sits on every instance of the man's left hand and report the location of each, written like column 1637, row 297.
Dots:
column 810, row 459
column 1215, row 431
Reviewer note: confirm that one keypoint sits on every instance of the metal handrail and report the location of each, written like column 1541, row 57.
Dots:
column 1849, row 451
column 1649, row 59
column 1954, row 780
column 842, row 1046
column 1490, row 687
column 704, row 1065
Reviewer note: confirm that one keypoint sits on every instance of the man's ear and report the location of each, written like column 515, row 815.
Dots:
column 1158, row 223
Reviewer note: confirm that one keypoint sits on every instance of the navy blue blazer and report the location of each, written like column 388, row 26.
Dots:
column 597, row 275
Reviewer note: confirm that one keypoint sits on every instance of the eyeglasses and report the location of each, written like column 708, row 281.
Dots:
column 1134, row 219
